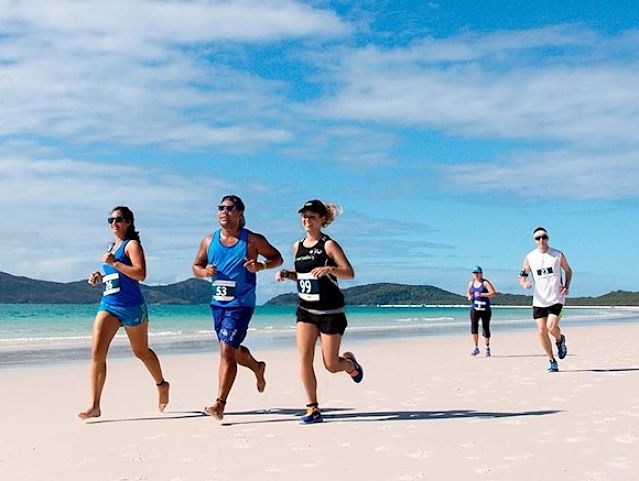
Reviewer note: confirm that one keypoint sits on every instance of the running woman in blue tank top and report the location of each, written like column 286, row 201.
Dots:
column 479, row 292
column 319, row 262
column 122, row 304
column 229, row 256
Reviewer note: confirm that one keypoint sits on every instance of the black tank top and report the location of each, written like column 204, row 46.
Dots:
column 318, row 294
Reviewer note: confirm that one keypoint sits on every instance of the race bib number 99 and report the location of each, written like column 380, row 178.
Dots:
column 223, row 290
column 308, row 287
column 111, row 284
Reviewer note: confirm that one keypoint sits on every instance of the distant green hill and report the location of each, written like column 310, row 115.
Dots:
column 401, row 294
column 23, row 290
column 386, row 294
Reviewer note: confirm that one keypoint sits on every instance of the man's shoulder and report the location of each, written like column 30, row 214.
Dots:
column 554, row 252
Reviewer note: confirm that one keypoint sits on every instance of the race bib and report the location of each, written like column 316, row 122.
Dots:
column 308, row 287
column 479, row 305
column 223, row 290
column 545, row 272
column 111, row 284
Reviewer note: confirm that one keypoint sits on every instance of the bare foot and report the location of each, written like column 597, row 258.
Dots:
column 261, row 381
column 90, row 413
column 217, row 410
column 163, row 395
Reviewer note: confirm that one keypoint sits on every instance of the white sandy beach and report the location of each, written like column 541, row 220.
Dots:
column 425, row 410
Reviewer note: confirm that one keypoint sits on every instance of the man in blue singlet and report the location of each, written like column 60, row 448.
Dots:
column 229, row 256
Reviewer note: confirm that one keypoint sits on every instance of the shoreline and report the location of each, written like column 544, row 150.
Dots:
column 71, row 350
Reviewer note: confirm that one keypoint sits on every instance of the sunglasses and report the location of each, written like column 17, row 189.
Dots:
column 227, row 208
column 541, row 237
column 117, row 219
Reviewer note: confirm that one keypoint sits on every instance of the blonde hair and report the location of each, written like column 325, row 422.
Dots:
column 332, row 211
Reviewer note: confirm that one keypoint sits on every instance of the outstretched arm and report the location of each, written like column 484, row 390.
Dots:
column 201, row 267
column 523, row 275
column 344, row 270
column 566, row 267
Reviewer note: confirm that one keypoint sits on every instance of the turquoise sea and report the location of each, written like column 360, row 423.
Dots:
column 58, row 333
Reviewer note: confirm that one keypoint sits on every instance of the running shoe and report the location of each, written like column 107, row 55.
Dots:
column 312, row 416
column 553, row 366
column 475, row 351
column 356, row 374
column 487, row 352
column 562, row 350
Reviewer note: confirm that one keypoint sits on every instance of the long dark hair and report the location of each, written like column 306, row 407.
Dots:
column 127, row 213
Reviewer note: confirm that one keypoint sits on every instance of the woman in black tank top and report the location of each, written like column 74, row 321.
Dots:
column 319, row 262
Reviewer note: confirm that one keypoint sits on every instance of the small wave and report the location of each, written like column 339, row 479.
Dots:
column 425, row 319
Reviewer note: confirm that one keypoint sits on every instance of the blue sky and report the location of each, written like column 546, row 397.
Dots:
column 447, row 131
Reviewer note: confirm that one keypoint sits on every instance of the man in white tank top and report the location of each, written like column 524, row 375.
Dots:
column 550, row 291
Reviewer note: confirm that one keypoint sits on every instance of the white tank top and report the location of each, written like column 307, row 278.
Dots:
column 546, row 271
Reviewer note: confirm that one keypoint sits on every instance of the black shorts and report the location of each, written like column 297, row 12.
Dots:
column 541, row 312
column 326, row 323
column 484, row 317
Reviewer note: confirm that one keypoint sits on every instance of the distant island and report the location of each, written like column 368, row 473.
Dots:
column 23, row 290
column 402, row 294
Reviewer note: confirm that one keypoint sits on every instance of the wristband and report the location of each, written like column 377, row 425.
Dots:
column 264, row 264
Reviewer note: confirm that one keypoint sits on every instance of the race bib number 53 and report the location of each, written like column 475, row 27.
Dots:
column 223, row 290
column 308, row 287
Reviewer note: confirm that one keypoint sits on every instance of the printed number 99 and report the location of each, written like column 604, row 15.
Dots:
column 305, row 286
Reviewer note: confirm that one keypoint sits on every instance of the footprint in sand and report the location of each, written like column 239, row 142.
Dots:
column 419, row 454
column 621, row 463
column 411, row 477
column 627, row 439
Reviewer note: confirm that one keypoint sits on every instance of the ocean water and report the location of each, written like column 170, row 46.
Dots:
column 57, row 333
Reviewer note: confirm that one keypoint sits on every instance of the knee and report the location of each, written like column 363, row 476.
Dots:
column 228, row 353
column 142, row 353
column 98, row 354
column 332, row 365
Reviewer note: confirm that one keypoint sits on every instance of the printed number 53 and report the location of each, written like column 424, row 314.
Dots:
column 220, row 290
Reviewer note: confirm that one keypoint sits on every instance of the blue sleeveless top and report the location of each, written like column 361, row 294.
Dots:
column 119, row 289
column 233, row 285
column 480, row 303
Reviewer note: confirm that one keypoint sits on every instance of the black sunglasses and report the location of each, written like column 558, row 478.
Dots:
column 117, row 219
column 227, row 208
column 541, row 237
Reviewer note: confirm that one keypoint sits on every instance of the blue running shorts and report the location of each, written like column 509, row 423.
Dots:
column 231, row 324
column 129, row 316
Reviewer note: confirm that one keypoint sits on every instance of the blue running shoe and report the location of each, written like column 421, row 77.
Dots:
column 356, row 374
column 553, row 366
column 312, row 416
column 487, row 352
column 475, row 351
column 562, row 350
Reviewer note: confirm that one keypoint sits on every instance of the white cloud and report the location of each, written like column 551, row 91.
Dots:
column 59, row 207
column 145, row 72
column 560, row 174
column 496, row 86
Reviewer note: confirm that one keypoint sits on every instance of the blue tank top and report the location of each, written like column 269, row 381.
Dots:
column 479, row 303
column 119, row 289
column 233, row 285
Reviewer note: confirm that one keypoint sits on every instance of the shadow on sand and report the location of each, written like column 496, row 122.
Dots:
column 166, row 416
column 287, row 415
column 340, row 415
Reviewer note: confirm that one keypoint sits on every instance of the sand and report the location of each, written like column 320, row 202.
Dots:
column 425, row 410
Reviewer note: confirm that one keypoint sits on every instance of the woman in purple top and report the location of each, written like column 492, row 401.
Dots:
column 479, row 292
